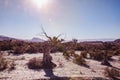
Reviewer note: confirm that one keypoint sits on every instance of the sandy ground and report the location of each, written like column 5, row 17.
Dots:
column 64, row 68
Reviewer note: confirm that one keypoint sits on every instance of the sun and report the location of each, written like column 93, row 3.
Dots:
column 40, row 3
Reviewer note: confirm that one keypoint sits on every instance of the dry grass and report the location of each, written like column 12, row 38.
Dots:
column 6, row 64
column 3, row 63
column 79, row 60
column 111, row 72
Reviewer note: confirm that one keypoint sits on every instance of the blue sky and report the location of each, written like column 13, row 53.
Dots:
column 80, row 19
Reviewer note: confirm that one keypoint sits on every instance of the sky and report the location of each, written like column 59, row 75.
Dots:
column 79, row 19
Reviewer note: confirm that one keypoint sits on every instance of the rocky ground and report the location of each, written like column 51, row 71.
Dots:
column 64, row 68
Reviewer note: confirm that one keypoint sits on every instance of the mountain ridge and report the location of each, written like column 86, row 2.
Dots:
column 36, row 39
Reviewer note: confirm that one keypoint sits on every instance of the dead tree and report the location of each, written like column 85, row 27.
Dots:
column 47, row 48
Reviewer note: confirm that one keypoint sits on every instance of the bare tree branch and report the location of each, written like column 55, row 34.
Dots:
column 46, row 34
column 59, row 35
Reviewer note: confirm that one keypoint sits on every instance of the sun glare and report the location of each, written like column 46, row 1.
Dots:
column 40, row 3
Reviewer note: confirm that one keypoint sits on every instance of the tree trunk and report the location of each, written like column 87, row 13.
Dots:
column 47, row 58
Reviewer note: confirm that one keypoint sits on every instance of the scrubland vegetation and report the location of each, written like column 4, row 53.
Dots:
column 112, row 73
column 99, row 51
column 20, row 47
column 6, row 63
column 3, row 63
column 88, row 50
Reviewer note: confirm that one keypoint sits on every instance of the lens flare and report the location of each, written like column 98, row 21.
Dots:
column 40, row 3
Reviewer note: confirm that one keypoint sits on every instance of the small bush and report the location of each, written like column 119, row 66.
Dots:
column 72, row 52
column 18, row 50
column 84, row 54
column 117, row 52
column 3, row 63
column 31, row 49
column 111, row 73
column 69, row 54
column 35, row 63
column 66, row 55
column 79, row 60
column 61, row 48
column 11, row 65
column 5, row 45
column 96, row 55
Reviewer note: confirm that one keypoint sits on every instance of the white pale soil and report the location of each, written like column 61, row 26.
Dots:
column 64, row 68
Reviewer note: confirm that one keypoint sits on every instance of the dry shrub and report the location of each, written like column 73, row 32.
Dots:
column 5, row 45
column 61, row 48
column 79, row 60
column 99, row 54
column 11, row 65
column 32, row 49
column 35, row 63
column 18, row 50
column 3, row 63
column 68, row 54
column 117, row 52
column 96, row 55
column 71, row 52
column 84, row 54
column 112, row 72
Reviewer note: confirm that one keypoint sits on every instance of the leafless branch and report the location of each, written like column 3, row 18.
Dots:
column 59, row 35
column 46, row 34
